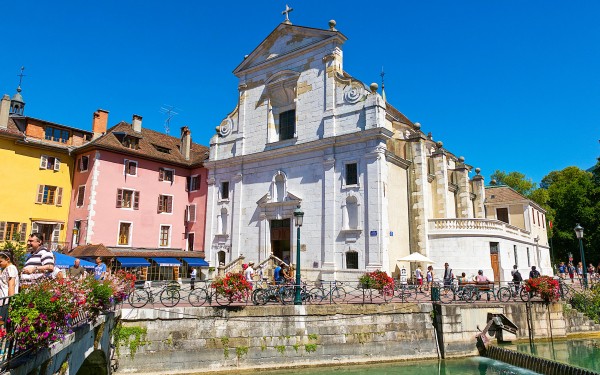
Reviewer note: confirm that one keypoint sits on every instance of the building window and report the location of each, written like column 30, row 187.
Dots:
column 225, row 190
column 533, row 215
column 80, row 195
column 131, row 167
column 49, row 162
column 49, row 195
column 502, row 214
column 165, row 174
column 351, row 174
column 528, row 258
column 124, row 234
column 165, row 204
column 287, row 125
column 190, row 213
column 57, row 135
column 193, row 183
column 82, row 163
column 352, row 260
column 165, row 231
column 12, row 232
column 494, row 247
column 162, row 149
column 128, row 199
column 131, row 142
column 516, row 256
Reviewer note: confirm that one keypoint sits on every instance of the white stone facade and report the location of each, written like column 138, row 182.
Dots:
column 367, row 179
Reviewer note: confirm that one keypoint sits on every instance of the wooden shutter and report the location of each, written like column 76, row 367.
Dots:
column 188, row 183
column 56, row 164
column 159, row 208
column 35, row 227
column 192, row 213
column 119, row 197
column 126, row 167
column 132, row 167
column 43, row 162
column 23, row 232
column 169, row 207
column 136, row 200
column 2, row 230
column 59, row 196
column 40, row 194
column 55, row 234
column 161, row 174
column 79, row 162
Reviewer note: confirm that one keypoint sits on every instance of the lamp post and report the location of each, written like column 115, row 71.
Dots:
column 579, row 234
column 299, row 217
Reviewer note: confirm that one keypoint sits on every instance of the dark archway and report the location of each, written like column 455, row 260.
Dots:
column 94, row 364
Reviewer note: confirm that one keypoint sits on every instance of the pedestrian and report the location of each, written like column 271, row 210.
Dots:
column 41, row 262
column 9, row 278
column 448, row 275
column 429, row 277
column 481, row 278
column 534, row 273
column 562, row 270
column 579, row 271
column 419, row 278
column 76, row 272
column 100, row 269
column 517, row 279
column 193, row 275
column 277, row 274
column 571, row 270
column 249, row 272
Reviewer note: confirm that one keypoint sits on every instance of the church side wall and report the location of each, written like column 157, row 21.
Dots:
column 397, row 194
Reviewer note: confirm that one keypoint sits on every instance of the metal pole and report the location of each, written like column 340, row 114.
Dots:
column 585, row 284
column 298, row 299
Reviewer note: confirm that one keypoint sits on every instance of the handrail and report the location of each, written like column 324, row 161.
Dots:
column 475, row 224
column 225, row 269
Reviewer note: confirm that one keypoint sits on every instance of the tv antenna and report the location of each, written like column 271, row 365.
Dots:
column 168, row 110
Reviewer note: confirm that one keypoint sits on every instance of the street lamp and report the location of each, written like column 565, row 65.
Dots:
column 579, row 234
column 299, row 218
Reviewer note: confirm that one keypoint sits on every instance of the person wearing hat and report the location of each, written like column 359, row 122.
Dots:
column 249, row 272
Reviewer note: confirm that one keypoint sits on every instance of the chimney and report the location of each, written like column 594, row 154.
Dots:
column 186, row 142
column 136, row 123
column 99, row 122
column 4, row 111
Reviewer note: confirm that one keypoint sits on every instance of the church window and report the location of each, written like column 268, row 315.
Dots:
column 516, row 255
column 352, row 260
column 287, row 125
column 528, row 258
column 221, row 258
column 502, row 214
column 225, row 190
column 351, row 174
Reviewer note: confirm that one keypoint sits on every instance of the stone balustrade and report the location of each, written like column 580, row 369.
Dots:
column 475, row 226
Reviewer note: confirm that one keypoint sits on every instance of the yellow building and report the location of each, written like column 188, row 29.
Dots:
column 37, row 170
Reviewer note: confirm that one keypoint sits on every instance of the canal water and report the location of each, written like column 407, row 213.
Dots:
column 583, row 353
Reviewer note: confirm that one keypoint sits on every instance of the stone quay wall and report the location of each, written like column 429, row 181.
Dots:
column 204, row 339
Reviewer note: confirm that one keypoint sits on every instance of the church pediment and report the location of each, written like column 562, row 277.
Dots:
column 285, row 40
column 289, row 200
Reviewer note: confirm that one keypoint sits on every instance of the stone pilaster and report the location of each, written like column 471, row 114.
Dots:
column 211, row 215
column 374, row 198
column 420, row 202
column 236, row 205
column 479, row 190
column 330, row 212
column 440, row 194
column 464, row 205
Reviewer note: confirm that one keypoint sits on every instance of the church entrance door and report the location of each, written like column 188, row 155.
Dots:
column 495, row 266
column 280, row 239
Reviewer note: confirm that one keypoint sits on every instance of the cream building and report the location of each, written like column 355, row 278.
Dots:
column 373, row 187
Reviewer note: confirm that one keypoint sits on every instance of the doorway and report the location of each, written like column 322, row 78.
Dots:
column 280, row 239
column 190, row 242
column 494, row 249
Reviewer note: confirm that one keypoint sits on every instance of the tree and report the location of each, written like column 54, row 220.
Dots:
column 517, row 181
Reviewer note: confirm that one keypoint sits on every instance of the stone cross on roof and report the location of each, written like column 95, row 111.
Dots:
column 21, row 76
column 287, row 14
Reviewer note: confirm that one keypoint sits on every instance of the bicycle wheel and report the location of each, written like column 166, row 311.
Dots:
column 525, row 295
column 222, row 299
column 287, row 293
column 446, row 294
column 504, row 294
column 255, row 293
column 198, row 297
column 138, row 298
column 170, row 297
column 338, row 294
column 387, row 294
column 316, row 295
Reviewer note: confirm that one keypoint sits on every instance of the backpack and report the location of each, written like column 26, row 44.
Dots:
column 517, row 276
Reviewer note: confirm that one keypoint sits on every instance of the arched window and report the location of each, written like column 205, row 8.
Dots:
column 280, row 188
column 221, row 257
column 352, row 212
column 352, row 260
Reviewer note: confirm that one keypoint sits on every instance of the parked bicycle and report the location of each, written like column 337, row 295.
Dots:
column 168, row 294
column 331, row 290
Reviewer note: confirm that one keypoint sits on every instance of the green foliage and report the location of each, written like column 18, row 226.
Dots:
column 310, row 348
column 296, row 347
column 588, row 302
column 241, row 351
column 17, row 252
column 515, row 180
column 133, row 337
column 280, row 349
column 313, row 336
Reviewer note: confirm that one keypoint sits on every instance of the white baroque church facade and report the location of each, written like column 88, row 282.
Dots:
column 373, row 187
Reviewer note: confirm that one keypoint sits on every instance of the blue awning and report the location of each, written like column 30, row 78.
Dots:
column 66, row 261
column 196, row 262
column 167, row 261
column 133, row 262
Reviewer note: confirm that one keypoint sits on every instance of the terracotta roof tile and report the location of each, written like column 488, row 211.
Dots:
column 100, row 250
column 90, row 251
column 148, row 140
column 502, row 194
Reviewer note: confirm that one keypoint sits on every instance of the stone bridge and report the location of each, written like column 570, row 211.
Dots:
column 86, row 351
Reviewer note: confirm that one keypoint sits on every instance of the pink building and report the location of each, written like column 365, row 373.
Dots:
column 138, row 191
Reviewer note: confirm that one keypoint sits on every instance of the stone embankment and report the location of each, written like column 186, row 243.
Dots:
column 197, row 339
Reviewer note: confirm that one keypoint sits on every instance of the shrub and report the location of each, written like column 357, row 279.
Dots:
column 376, row 280
column 588, row 302
column 545, row 286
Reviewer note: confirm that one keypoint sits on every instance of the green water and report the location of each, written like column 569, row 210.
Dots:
column 580, row 352
column 466, row 366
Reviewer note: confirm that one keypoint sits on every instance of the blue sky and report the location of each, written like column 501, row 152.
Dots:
column 509, row 85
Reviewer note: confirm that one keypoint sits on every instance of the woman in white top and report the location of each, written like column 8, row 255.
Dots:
column 9, row 278
column 419, row 277
column 249, row 272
